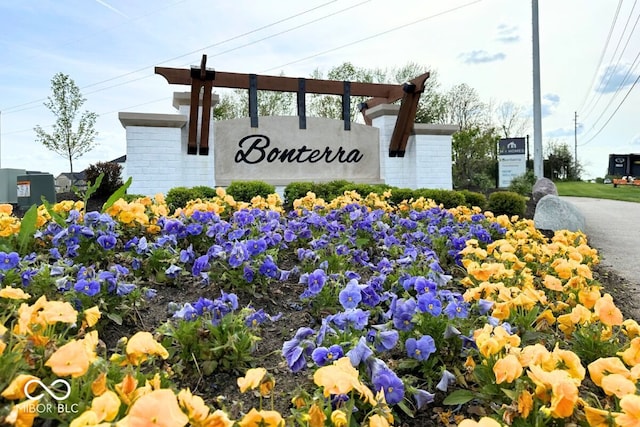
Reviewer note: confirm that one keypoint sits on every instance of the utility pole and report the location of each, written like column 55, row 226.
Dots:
column 537, row 109
column 575, row 144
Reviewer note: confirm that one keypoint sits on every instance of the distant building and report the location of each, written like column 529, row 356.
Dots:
column 66, row 180
column 624, row 165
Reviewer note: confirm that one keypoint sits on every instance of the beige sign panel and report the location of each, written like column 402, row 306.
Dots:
column 278, row 152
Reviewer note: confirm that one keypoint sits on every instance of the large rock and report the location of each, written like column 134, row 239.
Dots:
column 543, row 187
column 553, row 213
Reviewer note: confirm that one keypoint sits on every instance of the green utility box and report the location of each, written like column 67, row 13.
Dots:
column 8, row 189
column 32, row 186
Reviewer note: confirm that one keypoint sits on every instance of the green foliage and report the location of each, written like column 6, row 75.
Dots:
column 246, row 190
column 365, row 189
column 472, row 198
column 448, row 198
column 560, row 163
column 398, row 195
column 332, row 189
column 118, row 194
column 507, row 203
column 132, row 197
column 588, row 344
column 523, row 184
column 65, row 104
column 111, row 180
column 178, row 197
column 201, row 347
column 474, row 155
column 204, row 192
column 296, row 190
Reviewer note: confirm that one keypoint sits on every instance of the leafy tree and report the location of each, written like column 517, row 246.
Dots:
column 475, row 158
column 560, row 163
column 65, row 104
column 464, row 108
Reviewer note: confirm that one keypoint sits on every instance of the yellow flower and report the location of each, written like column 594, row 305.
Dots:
column 15, row 390
column 58, row 311
column 74, row 358
column 23, row 414
column 13, row 293
column 341, row 378
column 631, row 356
column 141, row 346
column 507, row 369
column 316, row 416
column 570, row 362
column 552, row 282
column 525, row 403
column 606, row 366
column 484, row 422
column 92, row 315
column 598, row 417
column 564, row 396
column 377, row 420
column 631, row 328
column 630, row 416
column 106, row 406
column 86, row 419
column 618, row 385
column 157, row 408
column 252, row 379
column 607, row 311
column 261, row 419
column 195, row 407
column 99, row 385
column 339, row 418
column 126, row 388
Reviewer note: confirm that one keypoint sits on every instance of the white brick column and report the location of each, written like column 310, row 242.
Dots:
column 433, row 155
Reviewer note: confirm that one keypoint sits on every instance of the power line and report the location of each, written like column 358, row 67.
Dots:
column 180, row 56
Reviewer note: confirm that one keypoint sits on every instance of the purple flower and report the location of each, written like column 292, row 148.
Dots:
column 200, row 264
column 484, row 306
column 187, row 255
column 203, row 305
column 269, row 268
column 350, row 296
column 187, row 312
column 360, row 353
column 172, row 271
column 296, row 349
column 403, row 314
column 230, row 300
column 238, row 254
column 422, row 397
column 423, row 285
column 123, row 289
column 446, row 380
column 248, row 274
column 383, row 340
column 386, row 380
column 324, row 356
column 316, row 281
column 429, row 303
column 27, row 275
column 420, row 349
column 107, row 241
column 456, row 309
column 9, row 260
column 256, row 246
column 89, row 288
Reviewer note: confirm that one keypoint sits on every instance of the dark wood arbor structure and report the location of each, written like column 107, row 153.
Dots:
column 202, row 79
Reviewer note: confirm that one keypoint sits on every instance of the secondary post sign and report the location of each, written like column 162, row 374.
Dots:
column 512, row 160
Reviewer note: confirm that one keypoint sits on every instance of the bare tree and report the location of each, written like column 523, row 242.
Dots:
column 512, row 119
column 65, row 104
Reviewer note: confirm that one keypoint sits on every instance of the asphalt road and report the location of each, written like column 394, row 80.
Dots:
column 613, row 227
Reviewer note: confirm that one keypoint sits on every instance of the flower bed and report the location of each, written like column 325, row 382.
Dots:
column 363, row 313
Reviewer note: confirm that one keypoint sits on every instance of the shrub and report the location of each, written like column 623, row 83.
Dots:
column 244, row 191
column 507, row 203
column 296, row 190
column 132, row 197
column 332, row 189
column 203, row 192
column 523, row 184
column 364, row 189
column 400, row 194
column 472, row 198
column 178, row 197
column 111, row 181
column 448, row 198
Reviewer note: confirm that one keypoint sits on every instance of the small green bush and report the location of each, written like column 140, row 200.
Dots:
column 296, row 190
column 178, row 197
column 472, row 198
column 448, row 198
column 332, row 189
column 204, row 192
column 507, row 203
column 523, row 184
column 111, row 181
column 400, row 194
column 365, row 189
column 244, row 191
column 132, row 197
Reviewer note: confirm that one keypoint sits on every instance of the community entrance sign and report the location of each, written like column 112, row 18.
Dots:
column 191, row 148
column 512, row 161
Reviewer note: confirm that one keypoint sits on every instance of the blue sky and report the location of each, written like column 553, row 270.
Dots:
column 110, row 48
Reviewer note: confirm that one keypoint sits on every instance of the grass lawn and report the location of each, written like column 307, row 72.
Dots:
column 600, row 191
